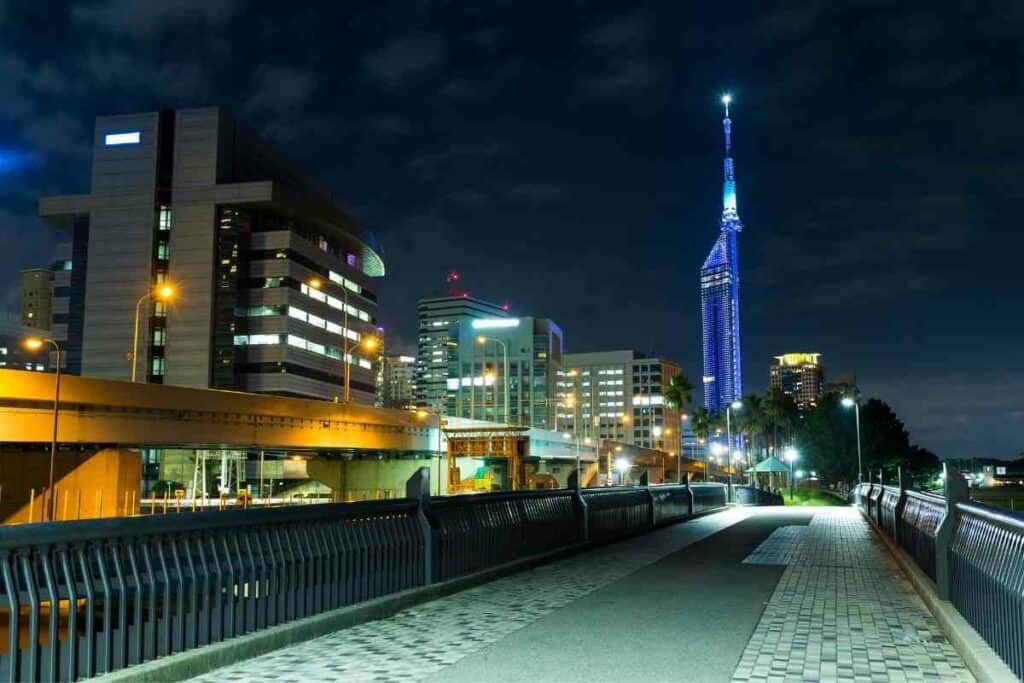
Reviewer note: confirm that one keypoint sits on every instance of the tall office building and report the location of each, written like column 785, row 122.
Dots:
column 799, row 375
column 720, row 296
column 477, row 383
column 274, row 280
column 438, row 318
column 37, row 298
column 397, row 381
column 619, row 395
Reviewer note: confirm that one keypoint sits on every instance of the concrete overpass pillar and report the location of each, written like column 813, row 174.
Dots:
column 103, row 483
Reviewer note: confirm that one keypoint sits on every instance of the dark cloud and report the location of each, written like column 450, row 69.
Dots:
column 458, row 88
column 624, row 77
column 116, row 69
column 428, row 166
column 389, row 125
column 627, row 31
column 145, row 19
column 393, row 64
column 534, row 191
column 59, row 136
column 279, row 89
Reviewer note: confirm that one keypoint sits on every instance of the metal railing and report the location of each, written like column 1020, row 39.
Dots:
column 973, row 553
column 78, row 599
column 747, row 495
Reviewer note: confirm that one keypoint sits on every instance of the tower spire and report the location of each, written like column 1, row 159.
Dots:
column 730, row 217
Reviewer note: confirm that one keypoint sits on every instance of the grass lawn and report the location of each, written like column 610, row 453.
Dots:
column 813, row 497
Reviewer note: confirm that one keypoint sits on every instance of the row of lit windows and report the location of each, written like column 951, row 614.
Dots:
column 333, row 302
column 298, row 314
column 300, row 343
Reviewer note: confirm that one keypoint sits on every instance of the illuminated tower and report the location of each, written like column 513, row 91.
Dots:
column 720, row 296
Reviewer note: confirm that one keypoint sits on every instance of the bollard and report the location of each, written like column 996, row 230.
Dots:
column 955, row 489
column 417, row 487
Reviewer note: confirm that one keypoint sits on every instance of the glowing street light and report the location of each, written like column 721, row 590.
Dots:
column 850, row 402
column 623, row 466
column 35, row 344
column 163, row 293
column 791, row 455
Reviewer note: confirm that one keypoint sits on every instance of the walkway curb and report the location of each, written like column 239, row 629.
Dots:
column 981, row 659
column 200, row 660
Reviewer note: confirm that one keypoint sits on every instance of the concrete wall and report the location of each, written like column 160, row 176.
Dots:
column 88, row 484
column 352, row 476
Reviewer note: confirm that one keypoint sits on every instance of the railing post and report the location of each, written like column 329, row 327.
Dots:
column 418, row 489
column 878, row 505
column 645, row 481
column 955, row 490
column 901, row 502
column 580, row 504
column 689, row 494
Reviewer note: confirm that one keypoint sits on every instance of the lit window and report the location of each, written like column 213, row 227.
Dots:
column 130, row 138
column 158, row 366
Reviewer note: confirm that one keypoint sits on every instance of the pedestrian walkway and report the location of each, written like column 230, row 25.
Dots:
column 756, row 594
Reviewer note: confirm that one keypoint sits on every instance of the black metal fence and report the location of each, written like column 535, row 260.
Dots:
column 974, row 553
column 747, row 495
column 78, row 599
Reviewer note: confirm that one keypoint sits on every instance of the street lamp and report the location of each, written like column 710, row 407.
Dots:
column 162, row 293
column 849, row 402
column 34, row 344
column 622, row 465
column 791, row 456
column 504, row 350
column 735, row 405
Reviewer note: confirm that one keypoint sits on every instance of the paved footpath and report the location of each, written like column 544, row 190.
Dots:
column 756, row 594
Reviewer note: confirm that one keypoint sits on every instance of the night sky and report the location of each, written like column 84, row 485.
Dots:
column 565, row 157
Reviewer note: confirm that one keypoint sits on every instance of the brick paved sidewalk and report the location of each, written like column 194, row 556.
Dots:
column 843, row 611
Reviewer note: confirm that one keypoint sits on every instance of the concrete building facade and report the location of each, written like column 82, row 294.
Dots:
column 192, row 198
column 619, row 396
column 799, row 375
column 37, row 298
column 397, row 381
column 438, row 318
column 480, row 380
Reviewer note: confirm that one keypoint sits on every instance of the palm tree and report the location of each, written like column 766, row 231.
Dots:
column 679, row 392
column 782, row 414
column 752, row 422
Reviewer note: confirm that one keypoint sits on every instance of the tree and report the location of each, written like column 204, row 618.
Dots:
column 679, row 392
column 751, row 422
column 703, row 424
column 781, row 415
column 827, row 441
column 884, row 439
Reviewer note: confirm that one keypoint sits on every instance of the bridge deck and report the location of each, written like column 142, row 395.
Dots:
column 745, row 595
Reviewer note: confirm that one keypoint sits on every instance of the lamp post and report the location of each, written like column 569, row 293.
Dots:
column 34, row 344
column 162, row 293
column 849, row 402
column 504, row 350
column 735, row 405
column 791, row 456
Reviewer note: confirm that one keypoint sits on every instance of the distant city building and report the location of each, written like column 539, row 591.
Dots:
column 271, row 274
column 476, row 379
column 37, row 298
column 620, row 396
column 720, row 297
column 800, row 376
column 397, row 381
column 437, row 319
column 13, row 354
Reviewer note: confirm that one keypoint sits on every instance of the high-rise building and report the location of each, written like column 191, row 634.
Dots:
column 479, row 353
column 720, row 296
column 438, row 318
column 800, row 376
column 397, row 383
column 273, row 280
column 37, row 298
column 620, row 396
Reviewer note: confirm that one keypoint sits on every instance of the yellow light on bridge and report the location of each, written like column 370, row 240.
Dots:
column 33, row 343
column 165, row 293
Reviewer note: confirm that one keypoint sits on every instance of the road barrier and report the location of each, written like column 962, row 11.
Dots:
column 78, row 599
column 973, row 553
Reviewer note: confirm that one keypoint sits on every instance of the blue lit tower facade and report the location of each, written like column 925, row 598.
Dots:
column 720, row 296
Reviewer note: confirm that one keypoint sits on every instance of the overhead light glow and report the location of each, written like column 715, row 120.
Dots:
column 726, row 99
column 494, row 323
column 130, row 138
